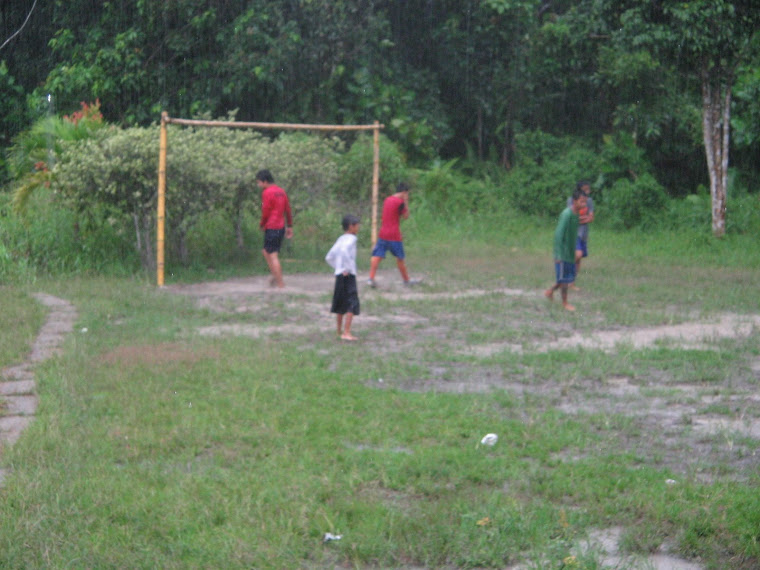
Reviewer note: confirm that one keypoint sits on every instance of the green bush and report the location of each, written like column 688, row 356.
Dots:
column 547, row 171
column 639, row 203
column 692, row 213
column 355, row 169
column 444, row 191
column 51, row 239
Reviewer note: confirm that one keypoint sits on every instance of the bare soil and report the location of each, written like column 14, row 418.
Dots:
column 674, row 419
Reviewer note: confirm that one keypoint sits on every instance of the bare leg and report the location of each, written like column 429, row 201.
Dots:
column 578, row 258
column 347, row 330
column 402, row 269
column 549, row 293
column 339, row 319
column 273, row 262
column 563, row 292
column 374, row 263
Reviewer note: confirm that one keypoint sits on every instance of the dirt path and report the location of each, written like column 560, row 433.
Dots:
column 246, row 294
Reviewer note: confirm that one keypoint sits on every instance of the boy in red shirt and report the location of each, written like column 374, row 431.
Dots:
column 275, row 211
column 395, row 208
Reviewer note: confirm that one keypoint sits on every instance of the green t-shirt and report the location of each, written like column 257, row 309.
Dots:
column 565, row 235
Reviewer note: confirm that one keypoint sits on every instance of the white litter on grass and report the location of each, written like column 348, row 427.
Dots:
column 330, row 537
column 84, row 330
column 489, row 439
column 670, row 481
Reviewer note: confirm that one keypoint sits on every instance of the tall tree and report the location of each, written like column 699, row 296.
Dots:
column 708, row 40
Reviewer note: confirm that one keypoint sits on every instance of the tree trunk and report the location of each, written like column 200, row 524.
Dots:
column 716, row 114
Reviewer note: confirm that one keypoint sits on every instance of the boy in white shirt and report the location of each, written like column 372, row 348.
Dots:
column 342, row 258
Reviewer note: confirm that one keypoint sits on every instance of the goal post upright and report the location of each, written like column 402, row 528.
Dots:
column 161, row 199
column 161, row 202
column 375, row 181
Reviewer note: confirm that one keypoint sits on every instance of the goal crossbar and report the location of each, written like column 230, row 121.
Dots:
column 163, row 143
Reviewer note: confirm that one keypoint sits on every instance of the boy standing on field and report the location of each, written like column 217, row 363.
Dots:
column 342, row 258
column 565, row 237
column 395, row 209
column 275, row 212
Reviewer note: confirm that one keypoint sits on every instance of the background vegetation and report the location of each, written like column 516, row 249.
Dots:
column 446, row 78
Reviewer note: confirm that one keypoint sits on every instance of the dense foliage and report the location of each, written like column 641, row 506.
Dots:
column 443, row 77
column 488, row 106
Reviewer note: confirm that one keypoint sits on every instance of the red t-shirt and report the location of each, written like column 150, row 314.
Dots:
column 390, row 228
column 275, row 208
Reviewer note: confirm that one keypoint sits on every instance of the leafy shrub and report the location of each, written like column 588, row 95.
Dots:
column 445, row 191
column 692, row 213
column 49, row 239
column 355, row 169
column 638, row 203
column 547, row 171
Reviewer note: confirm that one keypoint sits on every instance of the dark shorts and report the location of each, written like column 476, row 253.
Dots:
column 582, row 246
column 273, row 240
column 564, row 271
column 346, row 295
column 383, row 245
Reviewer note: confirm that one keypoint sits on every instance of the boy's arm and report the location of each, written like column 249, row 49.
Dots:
column 265, row 207
column 589, row 216
column 288, row 219
column 404, row 209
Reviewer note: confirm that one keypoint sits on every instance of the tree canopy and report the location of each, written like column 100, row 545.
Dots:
column 453, row 78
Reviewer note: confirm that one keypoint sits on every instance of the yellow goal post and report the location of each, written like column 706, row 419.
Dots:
column 163, row 143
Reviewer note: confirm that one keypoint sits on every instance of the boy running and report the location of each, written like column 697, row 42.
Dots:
column 565, row 237
column 342, row 258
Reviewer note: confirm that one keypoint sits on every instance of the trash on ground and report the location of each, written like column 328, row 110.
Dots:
column 489, row 439
column 330, row 537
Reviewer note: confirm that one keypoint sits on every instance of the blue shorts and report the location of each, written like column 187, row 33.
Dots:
column 580, row 245
column 383, row 245
column 565, row 271
column 273, row 240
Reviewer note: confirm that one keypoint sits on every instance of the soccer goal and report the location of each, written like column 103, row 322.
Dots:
column 163, row 144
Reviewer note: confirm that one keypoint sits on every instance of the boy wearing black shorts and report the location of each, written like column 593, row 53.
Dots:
column 342, row 258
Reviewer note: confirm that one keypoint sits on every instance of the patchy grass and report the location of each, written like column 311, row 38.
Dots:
column 20, row 319
column 158, row 446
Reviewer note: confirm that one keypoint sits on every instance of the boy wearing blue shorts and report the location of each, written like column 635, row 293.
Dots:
column 395, row 209
column 565, row 237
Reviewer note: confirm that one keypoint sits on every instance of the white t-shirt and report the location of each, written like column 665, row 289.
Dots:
column 342, row 255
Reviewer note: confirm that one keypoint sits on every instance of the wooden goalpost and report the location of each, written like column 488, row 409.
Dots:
column 163, row 142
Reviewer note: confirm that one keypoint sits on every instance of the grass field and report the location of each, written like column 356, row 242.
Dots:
column 198, row 427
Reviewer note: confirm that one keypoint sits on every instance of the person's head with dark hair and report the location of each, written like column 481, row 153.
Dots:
column 265, row 176
column 584, row 186
column 402, row 187
column 350, row 220
column 578, row 193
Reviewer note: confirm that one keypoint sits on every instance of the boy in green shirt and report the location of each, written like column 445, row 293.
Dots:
column 564, row 248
